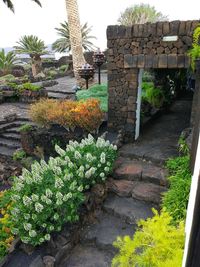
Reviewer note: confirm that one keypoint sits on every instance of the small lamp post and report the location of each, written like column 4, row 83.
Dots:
column 99, row 59
column 86, row 72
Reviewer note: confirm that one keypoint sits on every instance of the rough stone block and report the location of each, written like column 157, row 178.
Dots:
column 188, row 28
column 130, row 61
column 129, row 32
column 121, row 31
column 187, row 62
column 182, row 28
column 166, row 29
column 141, row 61
column 155, row 61
column 140, row 30
column 149, row 61
column 172, row 61
column 180, row 61
column 174, row 27
column 162, row 61
column 135, row 30
column 159, row 28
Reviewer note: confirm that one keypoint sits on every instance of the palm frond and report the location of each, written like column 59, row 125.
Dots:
column 10, row 5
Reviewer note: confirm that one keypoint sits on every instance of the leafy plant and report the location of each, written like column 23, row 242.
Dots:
column 28, row 86
column 7, row 78
column 175, row 200
column 63, row 44
column 6, row 237
column 183, row 147
column 97, row 91
column 25, row 128
column 51, row 193
column 67, row 113
column 63, row 68
column 10, row 5
column 157, row 243
column 194, row 52
column 19, row 155
column 152, row 95
column 7, row 61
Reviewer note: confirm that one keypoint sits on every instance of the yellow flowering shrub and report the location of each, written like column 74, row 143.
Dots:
column 6, row 237
column 157, row 243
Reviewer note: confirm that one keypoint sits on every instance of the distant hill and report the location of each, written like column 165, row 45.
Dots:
column 51, row 55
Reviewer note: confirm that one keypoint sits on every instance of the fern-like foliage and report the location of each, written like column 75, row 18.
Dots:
column 63, row 44
column 157, row 243
column 10, row 5
column 7, row 61
column 31, row 45
column 194, row 52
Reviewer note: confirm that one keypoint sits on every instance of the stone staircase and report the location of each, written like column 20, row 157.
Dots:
column 10, row 139
column 134, row 189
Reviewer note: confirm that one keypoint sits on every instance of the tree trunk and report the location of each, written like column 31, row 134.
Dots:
column 36, row 65
column 75, row 37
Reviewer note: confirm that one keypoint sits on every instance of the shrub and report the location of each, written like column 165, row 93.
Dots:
column 97, row 91
column 194, row 52
column 19, row 155
column 63, row 68
column 25, row 128
column 69, row 114
column 28, row 86
column 152, row 95
column 51, row 193
column 176, row 198
column 7, row 78
column 6, row 237
column 156, row 244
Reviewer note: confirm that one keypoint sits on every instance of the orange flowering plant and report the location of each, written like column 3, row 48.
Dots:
column 67, row 113
column 6, row 237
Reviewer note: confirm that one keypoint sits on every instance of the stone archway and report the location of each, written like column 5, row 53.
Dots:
column 157, row 45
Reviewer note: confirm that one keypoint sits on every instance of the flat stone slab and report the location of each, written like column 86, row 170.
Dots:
column 129, row 209
column 148, row 192
column 127, row 169
column 87, row 256
column 122, row 188
column 106, row 231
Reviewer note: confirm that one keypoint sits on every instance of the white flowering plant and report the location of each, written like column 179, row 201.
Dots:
column 51, row 193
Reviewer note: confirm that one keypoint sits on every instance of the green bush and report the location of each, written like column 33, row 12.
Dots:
column 152, row 95
column 97, row 91
column 25, row 128
column 51, row 193
column 19, row 155
column 63, row 68
column 157, row 243
column 52, row 73
column 7, row 78
column 28, row 86
column 176, row 198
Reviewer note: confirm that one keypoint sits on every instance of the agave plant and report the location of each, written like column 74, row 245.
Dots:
column 35, row 48
column 64, row 45
column 10, row 5
column 7, row 61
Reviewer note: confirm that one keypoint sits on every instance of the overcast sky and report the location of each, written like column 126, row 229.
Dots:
column 31, row 19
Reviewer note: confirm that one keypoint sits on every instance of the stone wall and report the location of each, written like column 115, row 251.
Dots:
column 135, row 47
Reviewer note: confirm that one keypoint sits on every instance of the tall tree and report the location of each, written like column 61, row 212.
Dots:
column 63, row 44
column 140, row 14
column 75, row 36
column 10, row 5
column 35, row 48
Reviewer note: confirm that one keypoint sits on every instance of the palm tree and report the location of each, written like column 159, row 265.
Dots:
column 75, row 36
column 10, row 5
column 7, row 61
column 140, row 14
column 63, row 44
column 35, row 48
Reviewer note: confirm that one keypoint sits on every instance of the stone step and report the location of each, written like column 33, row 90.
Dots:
column 16, row 123
column 60, row 92
column 61, row 96
column 138, row 170
column 6, row 151
column 13, row 130
column 105, row 231
column 10, row 144
column 136, row 189
column 150, row 151
column 11, row 136
column 128, row 209
column 87, row 256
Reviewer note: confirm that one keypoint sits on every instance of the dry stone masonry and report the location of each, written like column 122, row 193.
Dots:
column 141, row 47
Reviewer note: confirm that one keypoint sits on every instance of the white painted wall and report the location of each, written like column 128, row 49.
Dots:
column 191, row 203
column 138, row 103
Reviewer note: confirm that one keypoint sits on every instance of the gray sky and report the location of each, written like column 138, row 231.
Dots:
column 31, row 19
